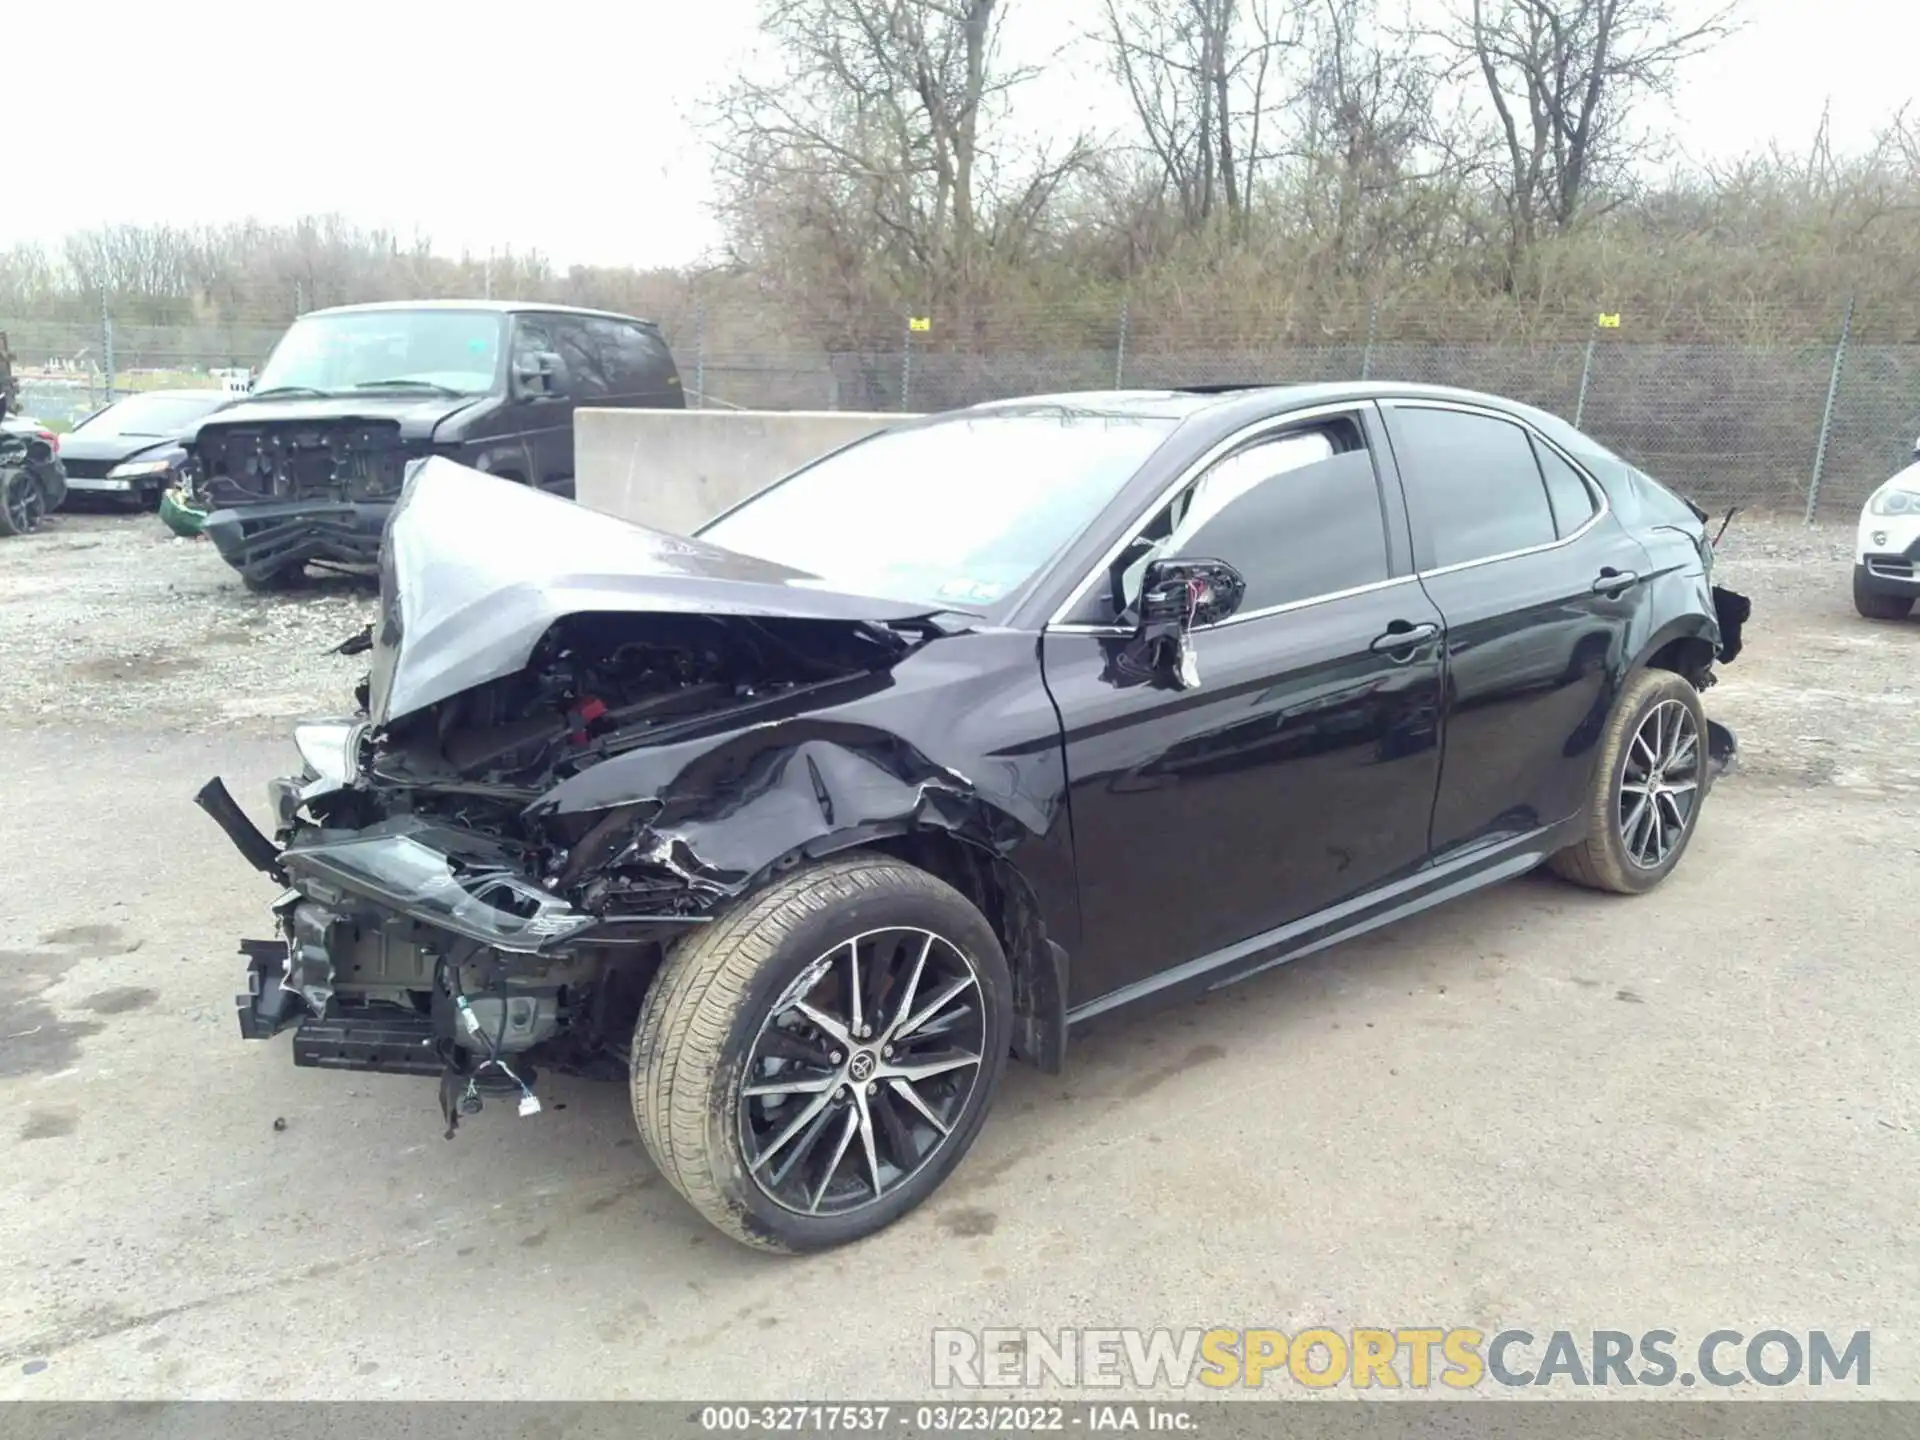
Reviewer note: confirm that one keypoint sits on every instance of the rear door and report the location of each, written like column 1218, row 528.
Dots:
column 1537, row 583
column 1301, row 769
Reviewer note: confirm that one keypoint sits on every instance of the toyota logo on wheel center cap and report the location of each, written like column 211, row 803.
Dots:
column 862, row 1065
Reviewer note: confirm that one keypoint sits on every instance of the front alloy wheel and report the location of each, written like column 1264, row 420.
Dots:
column 862, row 1070
column 812, row 1064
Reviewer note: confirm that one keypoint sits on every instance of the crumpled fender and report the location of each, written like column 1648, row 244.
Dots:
column 719, row 812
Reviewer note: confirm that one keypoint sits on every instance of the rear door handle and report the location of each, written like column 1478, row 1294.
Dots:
column 1615, row 582
column 1402, row 636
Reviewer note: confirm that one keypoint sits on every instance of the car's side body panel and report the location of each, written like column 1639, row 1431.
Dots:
column 1299, row 773
column 1264, row 813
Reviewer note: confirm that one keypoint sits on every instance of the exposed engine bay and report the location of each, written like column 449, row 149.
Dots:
column 334, row 461
column 433, row 927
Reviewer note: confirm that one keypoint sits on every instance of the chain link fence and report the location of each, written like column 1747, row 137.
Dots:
column 1797, row 409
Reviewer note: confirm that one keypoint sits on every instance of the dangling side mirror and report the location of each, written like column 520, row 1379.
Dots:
column 1176, row 595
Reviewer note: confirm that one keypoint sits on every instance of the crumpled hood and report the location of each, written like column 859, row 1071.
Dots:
column 475, row 570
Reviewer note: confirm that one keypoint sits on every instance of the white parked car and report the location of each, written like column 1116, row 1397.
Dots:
column 1886, row 551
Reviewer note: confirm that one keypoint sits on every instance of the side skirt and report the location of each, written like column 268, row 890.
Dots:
column 1458, row 875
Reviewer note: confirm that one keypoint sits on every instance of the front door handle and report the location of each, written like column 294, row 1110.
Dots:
column 1615, row 582
column 1402, row 636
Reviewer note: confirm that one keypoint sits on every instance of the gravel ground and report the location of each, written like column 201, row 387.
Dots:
column 1536, row 1107
column 115, row 618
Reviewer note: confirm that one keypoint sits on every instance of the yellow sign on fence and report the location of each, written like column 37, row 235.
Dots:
column 919, row 322
column 1608, row 322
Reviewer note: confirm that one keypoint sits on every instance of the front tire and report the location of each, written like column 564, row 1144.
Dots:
column 1648, row 784
column 275, row 582
column 810, row 1066
column 1876, row 604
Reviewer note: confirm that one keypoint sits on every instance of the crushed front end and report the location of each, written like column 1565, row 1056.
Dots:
column 430, row 924
column 550, row 777
column 278, row 494
column 418, row 935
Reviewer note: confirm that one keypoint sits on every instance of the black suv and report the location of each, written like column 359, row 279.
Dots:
column 308, row 467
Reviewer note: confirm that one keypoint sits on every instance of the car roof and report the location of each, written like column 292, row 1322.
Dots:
column 498, row 307
column 1256, row 399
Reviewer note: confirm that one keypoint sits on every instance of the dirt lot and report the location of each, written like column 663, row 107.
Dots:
column 1538, row 1107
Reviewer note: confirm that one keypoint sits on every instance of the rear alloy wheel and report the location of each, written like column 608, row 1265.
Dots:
column 811, row 1066
column 1647, row 788
column 1877, row 604
column 22, row 506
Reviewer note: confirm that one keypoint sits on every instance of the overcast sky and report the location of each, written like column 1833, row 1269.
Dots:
column 569, row 126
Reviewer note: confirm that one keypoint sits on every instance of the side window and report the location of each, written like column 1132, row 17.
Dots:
column 1298, row 516
column 530, row 337
column 586, row 376
column 1568, row 494
column 635, row 360
column 1475, row 486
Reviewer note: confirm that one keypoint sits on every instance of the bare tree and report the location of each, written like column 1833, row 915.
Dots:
column 873, row 147
column 1205, row 78
column 1377, row 157
column 1561, row 77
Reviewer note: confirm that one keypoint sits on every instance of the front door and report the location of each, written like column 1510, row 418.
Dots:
column 1300, row 770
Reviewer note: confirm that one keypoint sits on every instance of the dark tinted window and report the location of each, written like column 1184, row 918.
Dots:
column 530, row 337
column 1473, row 483
column 634, row 358
column 580, row 353
column 1572, row 501
column 1296, row 517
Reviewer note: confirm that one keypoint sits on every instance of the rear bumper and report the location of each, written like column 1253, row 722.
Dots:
column 260, row 540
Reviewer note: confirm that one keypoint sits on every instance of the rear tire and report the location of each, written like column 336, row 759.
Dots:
column 1648, row 785
column 1877, row 605
column 840, row 1135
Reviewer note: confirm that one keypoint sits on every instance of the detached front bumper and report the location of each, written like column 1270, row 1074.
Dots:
column 261, row 540
column 371, row 918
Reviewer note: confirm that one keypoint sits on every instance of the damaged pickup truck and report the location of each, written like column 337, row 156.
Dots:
column 305, row 469
column 971, row 731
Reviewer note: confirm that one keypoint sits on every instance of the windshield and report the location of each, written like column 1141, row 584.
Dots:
column 456, row 350
column 959, row 512
column 155, row 415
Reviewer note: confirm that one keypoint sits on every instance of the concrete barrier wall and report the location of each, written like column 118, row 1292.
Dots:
column 677, row 469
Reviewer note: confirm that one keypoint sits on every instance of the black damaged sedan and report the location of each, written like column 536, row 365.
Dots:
column 964, row 734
